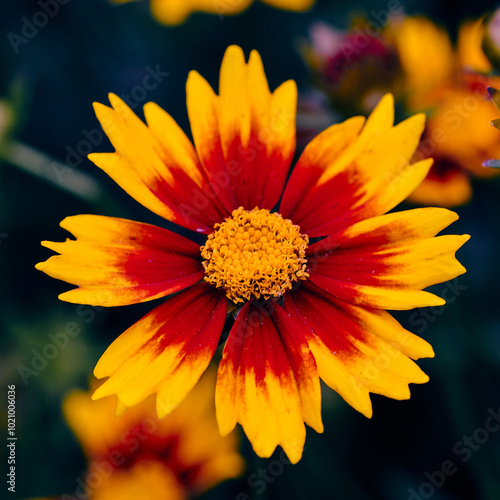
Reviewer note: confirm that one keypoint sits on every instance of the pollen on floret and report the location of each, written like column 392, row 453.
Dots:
column 255, row 254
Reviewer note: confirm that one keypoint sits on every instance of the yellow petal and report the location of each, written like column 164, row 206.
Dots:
column 267, row 374
column 470, row 52
column 173, row 12
column 352, row 357
column 298, row 5
column 245, row 137
column 166, row 350
column 426, row 54
column 152, row 477
column 158, row 166
column 119, row 262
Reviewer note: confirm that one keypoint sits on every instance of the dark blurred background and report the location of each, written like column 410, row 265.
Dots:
column 94, row 47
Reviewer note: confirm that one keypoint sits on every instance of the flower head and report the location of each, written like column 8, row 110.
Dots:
column 353, row 68
column 308, row 285
column 255, row 254
column 174, row 12
column 414, row 58
column 135, row 455
column 453, row 88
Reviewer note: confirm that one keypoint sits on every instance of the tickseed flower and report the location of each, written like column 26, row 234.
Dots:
column 451, row 84
column 135, row 455
column 174, row 12
column 415, row 60
column 308, row 284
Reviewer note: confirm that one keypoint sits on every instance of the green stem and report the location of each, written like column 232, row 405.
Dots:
column 46, row 168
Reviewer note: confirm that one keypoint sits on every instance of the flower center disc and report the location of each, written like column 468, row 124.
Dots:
column 255, row 254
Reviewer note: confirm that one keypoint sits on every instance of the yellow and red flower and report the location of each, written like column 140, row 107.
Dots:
column 308, row 284
column 414, row 59
column 135, row 455
column 451, row 85
column 174, row 12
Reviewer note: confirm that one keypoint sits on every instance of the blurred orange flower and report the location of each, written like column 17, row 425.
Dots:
column 174, row 12
column 136, row 455
column 451, row 85
column 415, row 59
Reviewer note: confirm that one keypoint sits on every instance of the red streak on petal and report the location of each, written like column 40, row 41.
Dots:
column 192, row 319
column 326, row 317
column 141, row 442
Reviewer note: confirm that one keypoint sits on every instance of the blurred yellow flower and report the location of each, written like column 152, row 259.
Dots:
column 470, row 51
column 414, row 59
column 451, row 84
column 136, row 455
column 174, row 12
column 426, row 57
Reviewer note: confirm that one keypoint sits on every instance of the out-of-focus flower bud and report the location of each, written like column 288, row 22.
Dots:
column 353, row 68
